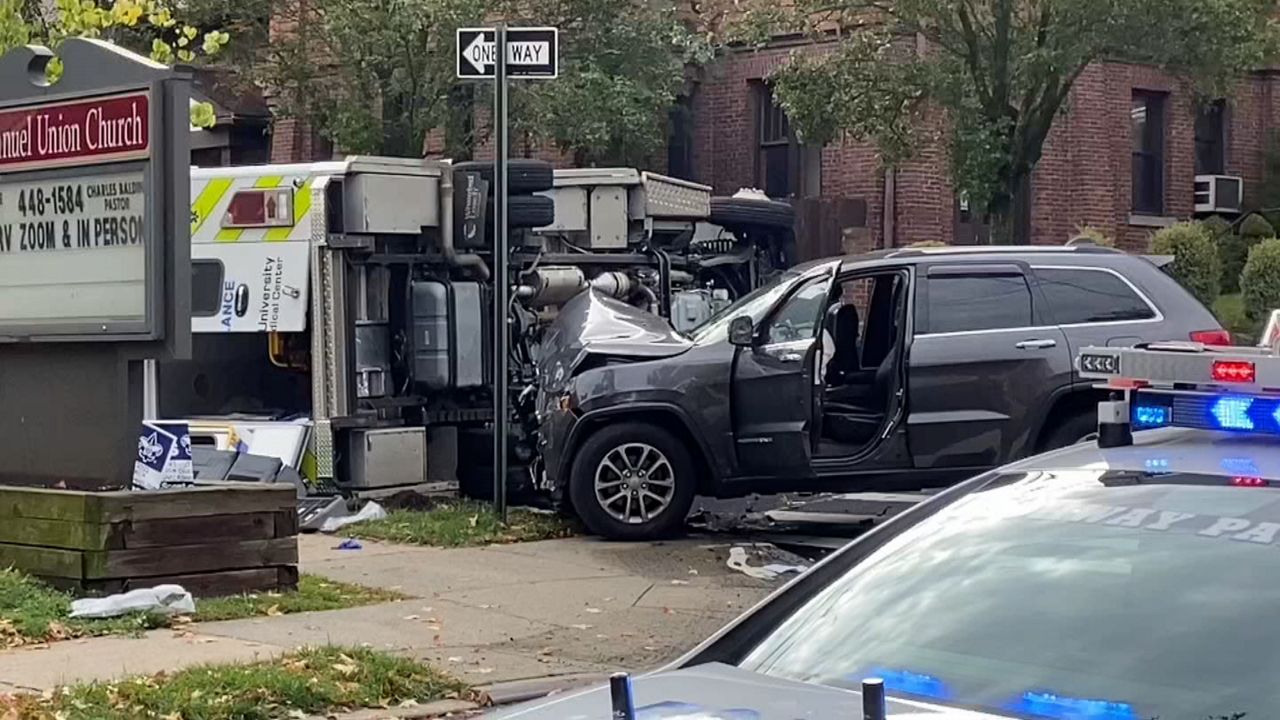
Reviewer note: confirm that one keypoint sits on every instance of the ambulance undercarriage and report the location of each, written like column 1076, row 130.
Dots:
column 343, row 310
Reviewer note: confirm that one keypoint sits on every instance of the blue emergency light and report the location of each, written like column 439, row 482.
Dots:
column 1236, row 413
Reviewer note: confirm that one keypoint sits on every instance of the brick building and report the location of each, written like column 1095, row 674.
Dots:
column 1123, row 157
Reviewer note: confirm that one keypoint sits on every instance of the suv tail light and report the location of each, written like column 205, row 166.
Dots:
column 1211, row 337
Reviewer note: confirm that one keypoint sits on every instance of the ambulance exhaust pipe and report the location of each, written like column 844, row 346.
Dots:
column 451, row 254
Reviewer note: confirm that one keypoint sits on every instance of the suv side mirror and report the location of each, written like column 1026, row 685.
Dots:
column 741, row 331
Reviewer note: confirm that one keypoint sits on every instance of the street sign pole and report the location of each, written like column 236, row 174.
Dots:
column 501, row 299
column 501, row 53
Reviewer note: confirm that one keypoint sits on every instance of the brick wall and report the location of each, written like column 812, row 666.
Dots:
column 1083, row 177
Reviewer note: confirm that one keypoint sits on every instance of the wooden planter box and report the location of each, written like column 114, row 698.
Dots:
column 217, row 540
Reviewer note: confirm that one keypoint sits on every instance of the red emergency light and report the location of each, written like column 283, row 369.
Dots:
column 1249, row 482
column 271, row 207
column 1234, row 371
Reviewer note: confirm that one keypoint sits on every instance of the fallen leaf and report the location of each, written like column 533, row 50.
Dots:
column 679, row 582
column 483, row 671
column 581, row 627
column 594, row 611
column 455, row 659
column 473, row 520
column 274, row 611
column 692, row 571
column 347, row 669
column 412, row 617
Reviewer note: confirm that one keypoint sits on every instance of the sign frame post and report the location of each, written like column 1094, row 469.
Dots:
column 113, row 134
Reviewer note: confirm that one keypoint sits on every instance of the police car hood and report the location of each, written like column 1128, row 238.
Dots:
column 723, row 692
column 594, row 324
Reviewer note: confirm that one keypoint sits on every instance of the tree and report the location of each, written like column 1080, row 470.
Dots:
column 622, row 66
column 376, row 76
column 147, row 26
column 999, row 70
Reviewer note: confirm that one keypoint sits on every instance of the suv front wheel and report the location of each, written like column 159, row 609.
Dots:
column 632, row 481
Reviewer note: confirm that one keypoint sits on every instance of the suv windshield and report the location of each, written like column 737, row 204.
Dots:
column 755, row 304
column 1075, row 594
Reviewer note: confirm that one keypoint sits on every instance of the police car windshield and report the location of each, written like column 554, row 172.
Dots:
column 1082, row 593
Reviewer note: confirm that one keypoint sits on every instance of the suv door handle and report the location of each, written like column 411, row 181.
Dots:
column 791, row 357
column 1036, row 344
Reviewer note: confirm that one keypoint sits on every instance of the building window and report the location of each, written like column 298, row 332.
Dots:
column 680, row 139
column 1147, row 116
column 785, row 167
column 1211, row 138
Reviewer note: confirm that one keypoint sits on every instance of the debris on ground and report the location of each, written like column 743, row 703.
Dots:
column 161, row 599
column 371, row 511
column 349, row 544
column 772, row 562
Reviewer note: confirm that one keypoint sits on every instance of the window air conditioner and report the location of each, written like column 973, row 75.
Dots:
column 1219, row 194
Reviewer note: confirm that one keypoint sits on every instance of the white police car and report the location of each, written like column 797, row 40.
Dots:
column 1136, row 580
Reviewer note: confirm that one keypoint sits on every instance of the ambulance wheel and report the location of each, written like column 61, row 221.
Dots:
column 523, row 176
column 632, row 481
column 528, row 211
column 732, row 212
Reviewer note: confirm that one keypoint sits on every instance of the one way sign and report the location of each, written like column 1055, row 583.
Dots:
column 531, row 52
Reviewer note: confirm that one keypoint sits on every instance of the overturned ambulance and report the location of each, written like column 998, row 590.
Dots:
column 342, row 310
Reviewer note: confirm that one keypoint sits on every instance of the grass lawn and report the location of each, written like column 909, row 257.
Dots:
column 32, row 612
column 308, row 682
column 462, row 524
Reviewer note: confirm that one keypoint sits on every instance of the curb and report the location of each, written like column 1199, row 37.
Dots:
column 441, row 708
column 518, row 691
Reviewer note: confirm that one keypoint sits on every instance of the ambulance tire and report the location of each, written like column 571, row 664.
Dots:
column 523, row 176
column 731, row 212
column 528, row 211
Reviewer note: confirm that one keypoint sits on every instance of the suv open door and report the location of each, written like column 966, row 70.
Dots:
column 773, row 385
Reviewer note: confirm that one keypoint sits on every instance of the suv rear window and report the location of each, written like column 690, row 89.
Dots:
column 1087, row 296
column 992, row 302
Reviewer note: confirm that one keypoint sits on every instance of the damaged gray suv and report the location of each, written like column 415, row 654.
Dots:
column 896, row 370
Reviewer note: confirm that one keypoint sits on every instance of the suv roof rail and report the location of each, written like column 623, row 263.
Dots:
column 1002, row 249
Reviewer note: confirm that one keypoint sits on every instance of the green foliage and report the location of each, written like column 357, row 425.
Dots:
column 999, row 72
column 307, row 682
column 1195, row 265
column 372, row 75
column 622, row 67
column 1260, row 280
column 1234, row 247
column 1091, row 235
column 390, row 76
column 462, row 524
column 1229, row 309
column 150, row 27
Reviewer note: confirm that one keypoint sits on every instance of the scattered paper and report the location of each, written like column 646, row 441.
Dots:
column 371, row 511
column 164, row 599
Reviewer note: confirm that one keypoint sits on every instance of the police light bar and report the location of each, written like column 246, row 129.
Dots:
column 1185, row 385
column 270, row 207
column 1183, row 366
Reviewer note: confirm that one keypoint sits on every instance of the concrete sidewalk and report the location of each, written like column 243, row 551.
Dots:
column 488, row 615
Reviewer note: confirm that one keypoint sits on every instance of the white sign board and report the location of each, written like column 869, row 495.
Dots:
column 72, row 250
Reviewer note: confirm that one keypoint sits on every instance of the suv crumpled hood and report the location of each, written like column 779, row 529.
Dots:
column 594, row 324
column 722, row 692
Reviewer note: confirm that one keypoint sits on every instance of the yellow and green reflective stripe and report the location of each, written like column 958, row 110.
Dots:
column 207, row 200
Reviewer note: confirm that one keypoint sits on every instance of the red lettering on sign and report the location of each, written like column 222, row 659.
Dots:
column 79, row 132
